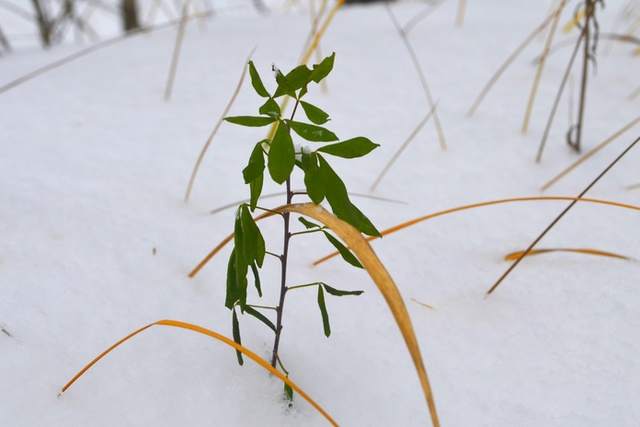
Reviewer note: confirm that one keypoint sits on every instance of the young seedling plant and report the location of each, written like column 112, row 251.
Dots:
column 276, row 158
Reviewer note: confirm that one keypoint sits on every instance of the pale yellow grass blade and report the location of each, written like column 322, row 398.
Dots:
column 231, row 343
column 515, row 255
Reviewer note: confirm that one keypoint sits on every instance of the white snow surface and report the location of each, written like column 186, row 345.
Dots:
column 96, row 241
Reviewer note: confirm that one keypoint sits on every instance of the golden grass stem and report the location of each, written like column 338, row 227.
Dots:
column 176, row 50
column 415, row 221
column 591, row 153
column 559, row 217
column 536, row 81
column 400, row 150
column 196, row 167
column 515, row 255
column 496, row 76
column 219, row 337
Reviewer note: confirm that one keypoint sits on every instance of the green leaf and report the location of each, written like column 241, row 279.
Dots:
column 241, row 265
column 255, row 189
column 251, row 121
column 338, row 292
column 322, row 70
column 308, row 224
column 232, row 286
column 255, row 167
column 256, row 279
column 270, row 108
column 253, row 246
column 282, row 155
column 312, row 178
column 256, row 82
column 312, row 132
column 261, row 317
column 288, row 394
column 351, row 148
column 337, row 196
column 284, row 86
column 299, row 77
column 323, row 312
column 314, row 114
column 344, row 252
column 236, row 336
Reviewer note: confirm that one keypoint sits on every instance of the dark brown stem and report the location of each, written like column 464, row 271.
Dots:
column 589, row 11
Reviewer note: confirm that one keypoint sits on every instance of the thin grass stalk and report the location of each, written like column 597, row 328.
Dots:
column 536, row 81
column 219, row 337
column 556, row 102
column 196, row 167
column 176, row 50
column 462, row 7
column 415, row 221
column 633, row 95
column 591, row 153
column 633, row 187
column 408, row 26
column 397, row 154
column 515, row 255
column 559, row 217
column 421, row 75
column 99, row 46
column 496, row 76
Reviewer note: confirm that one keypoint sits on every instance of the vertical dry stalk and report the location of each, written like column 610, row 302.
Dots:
column 176, row 50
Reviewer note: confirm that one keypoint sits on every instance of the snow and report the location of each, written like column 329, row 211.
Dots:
column 97, row 242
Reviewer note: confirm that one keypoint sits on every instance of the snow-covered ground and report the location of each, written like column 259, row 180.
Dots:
column 96, row 241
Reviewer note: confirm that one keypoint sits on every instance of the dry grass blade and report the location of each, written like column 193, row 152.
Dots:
column 420, row 71
column 420, row 16
column 176, row 50
column 462, row 7
column 422, row 304
column 365, row 254
column 401, row 149
column 591, row 153
column 492, row 81
column 559, row 217
column 633, row 95
column 536, row 81
column 84, row 52
column 231, row 343
column 415, row 221
column 633, row 187
column 515, row 255
column 215, row 129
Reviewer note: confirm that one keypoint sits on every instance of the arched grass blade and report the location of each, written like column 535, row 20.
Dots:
column 515, row 255
column 251, row 355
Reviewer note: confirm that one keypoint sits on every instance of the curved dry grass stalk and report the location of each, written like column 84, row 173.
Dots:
column 378, row 273
column 99, row 46
column 194, row 172
column 559, row 217
column 515, row 255
column 422, row 304
column 536, row 81
column 415, row 221
column 420, row 16
column 176, row 50
column 591, row 153
column 633, row 95
column 227, row 341
column 400, row 150
column 633, row 187
column 462, row 7
column 421, row 76
column 496, row 76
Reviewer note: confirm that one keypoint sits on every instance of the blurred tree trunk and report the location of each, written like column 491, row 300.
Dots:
column 130, row 15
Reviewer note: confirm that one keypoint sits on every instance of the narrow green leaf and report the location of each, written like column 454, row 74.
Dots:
column 288, row 394
column 322, row 70
column 312, row 133
column 261, row 317
column 256, row 279
column 270, row 108
column 251, row 121
column 241, row 266
column 312, row 178
column 338, row 292
column 344, row 252
column 236, row 336
column 314, row 114
column 232, row 286
column 308, row 224
column 256, row 81
column 255, row 167
column 253, row 246
column 323, row 312
column 284, row 86
column 337, row 196
column 351, row 148
column 255, row 189
column 282, row 155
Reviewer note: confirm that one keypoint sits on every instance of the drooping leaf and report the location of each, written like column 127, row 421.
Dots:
column 236, row 336
column 351, row 148
column 270, row 108
column 337, row 196
column 256, row 279
column 308, row 224
column 344, row 252
column 338, row 292
column 284, row 86
column 315, row 114
column 261, row 317
column 232, row 286
column 312, row 133
column 251, row 121
column 323, row 312
column 255, row 167
column 241, row 266
column 253, row 245
column 322, row 70
column 312, row 178
column 256, row 81
column 288, row 394
column 282, row 155
column 255, row 189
